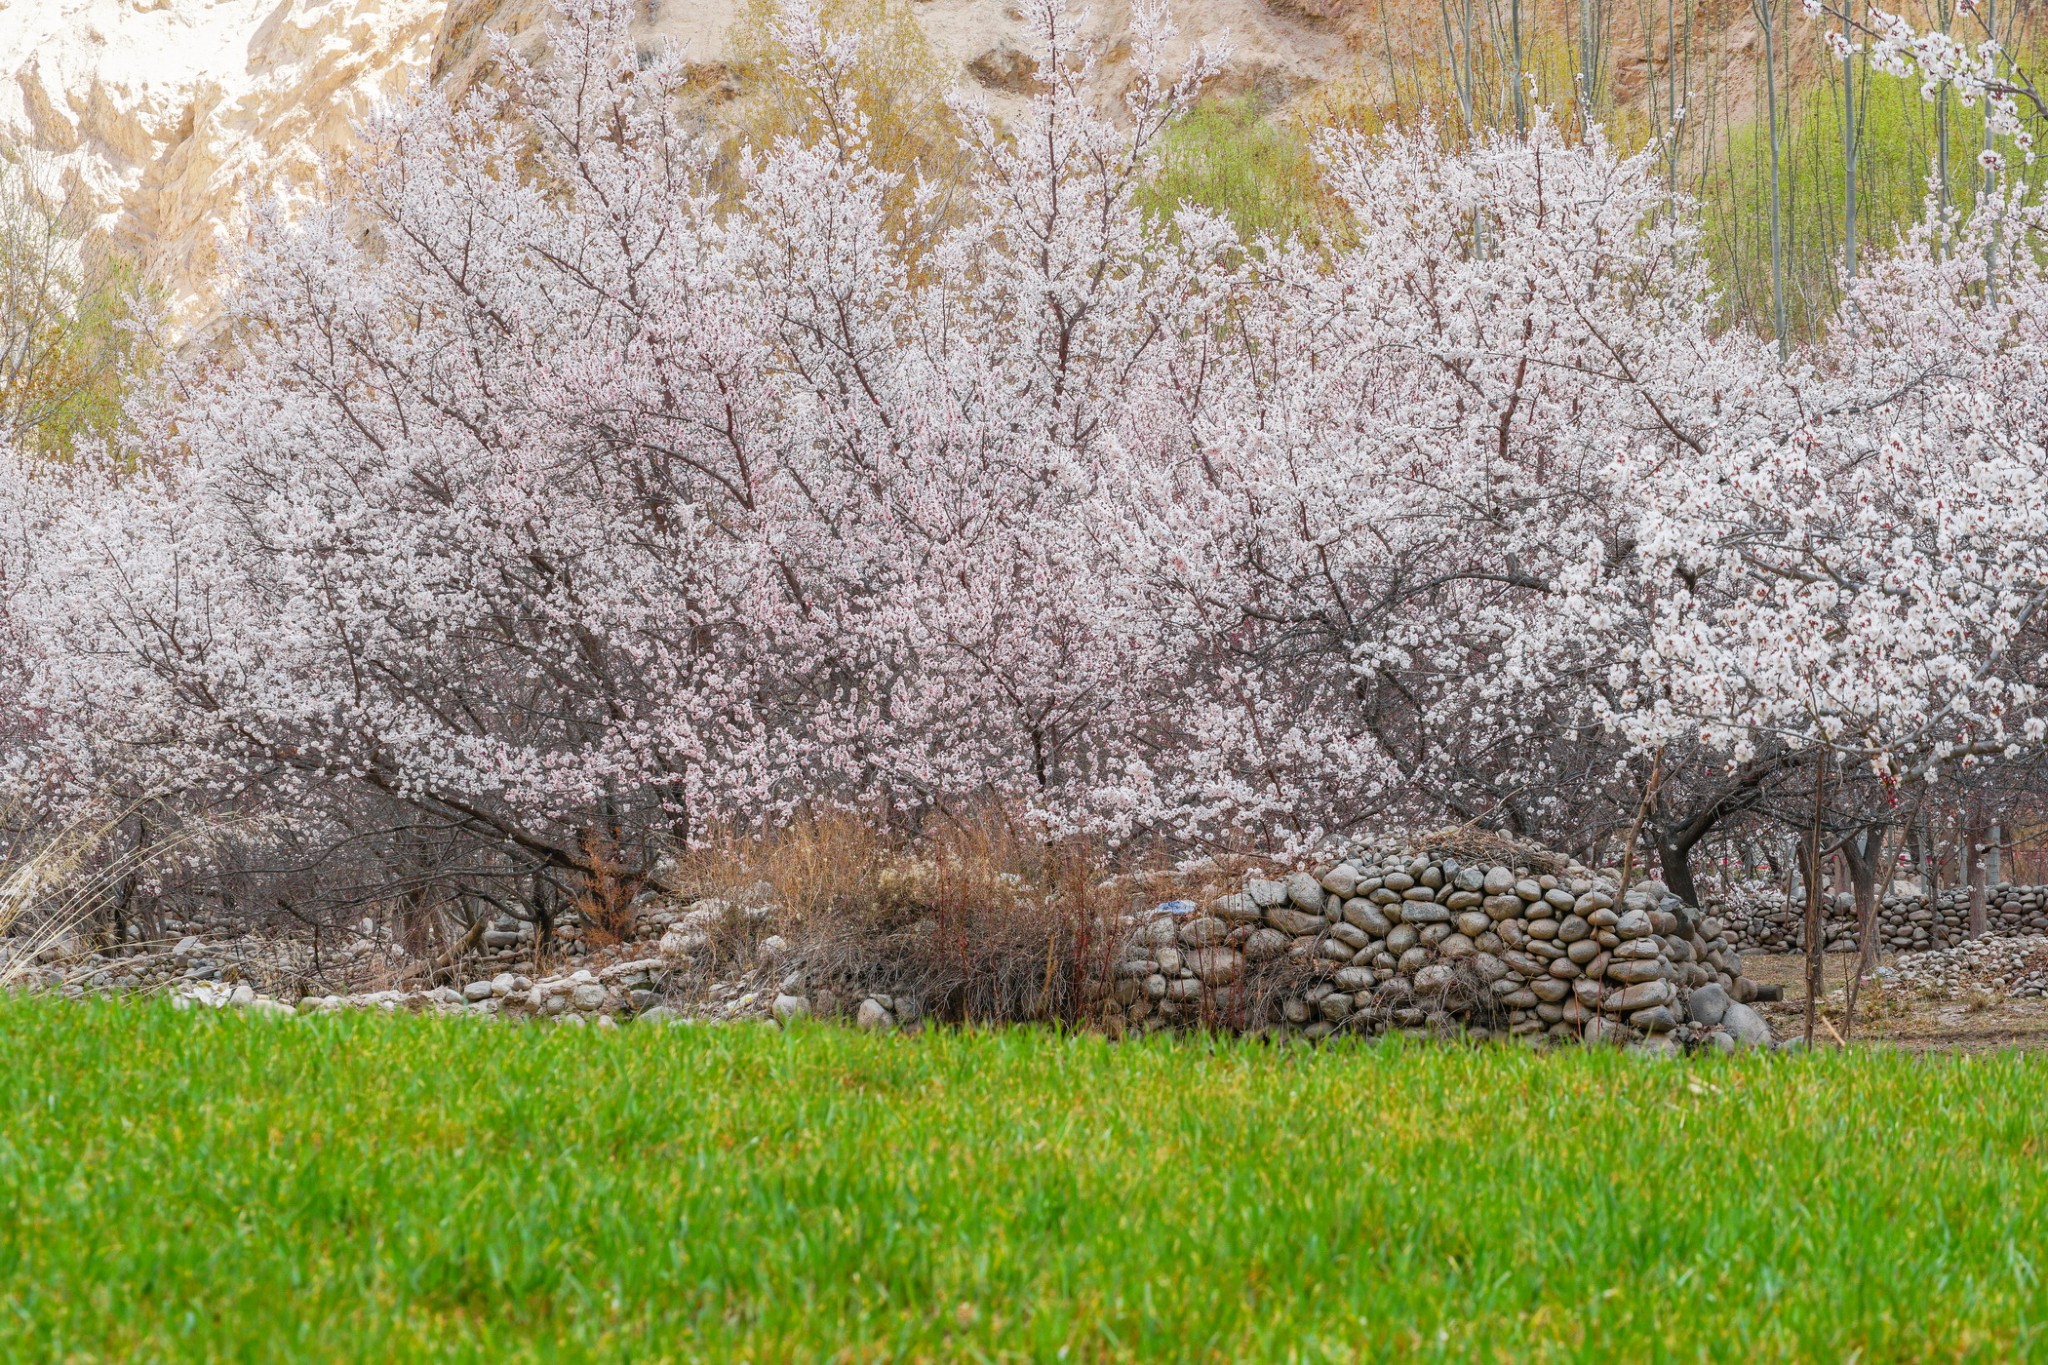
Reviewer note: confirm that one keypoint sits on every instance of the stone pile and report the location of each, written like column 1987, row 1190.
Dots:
column 1434, row 943
column 607, row 997
column 874, row 1011
column 1772, row 922
column 688, row 929
column 2015, row 966
column 1480, row 940
column 190, row 961
column 667, row 942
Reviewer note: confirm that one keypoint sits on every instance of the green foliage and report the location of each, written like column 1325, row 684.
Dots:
column 1228, row 155
column 66, row 352
column 200, row 1186
column 1898, row 152
column 1684, row 77
column 1233, row 156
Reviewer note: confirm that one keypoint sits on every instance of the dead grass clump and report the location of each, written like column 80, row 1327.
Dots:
column 976, row 921
column 55, row 882
column 1471, row 844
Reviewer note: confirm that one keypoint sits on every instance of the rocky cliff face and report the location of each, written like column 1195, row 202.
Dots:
column 160, row 122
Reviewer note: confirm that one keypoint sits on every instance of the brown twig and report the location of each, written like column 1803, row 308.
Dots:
column 1635, row 829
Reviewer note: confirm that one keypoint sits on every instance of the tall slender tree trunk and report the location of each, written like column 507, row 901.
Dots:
column 1973, row 870
column 1515, row 51
column 1930, row 859
column 1990, row 177
column 1814, row 928
column 1863, row 852
column 1592, row 60
column 1768, row 20
column 1848, row 146
column 1941, row 124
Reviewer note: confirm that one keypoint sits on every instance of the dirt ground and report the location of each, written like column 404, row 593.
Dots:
column 1965, row 1022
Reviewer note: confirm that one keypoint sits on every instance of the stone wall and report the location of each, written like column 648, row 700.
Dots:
column 1775, row 923
column 1478, row 941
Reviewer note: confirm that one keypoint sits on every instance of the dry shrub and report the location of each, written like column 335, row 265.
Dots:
column 605, row 898
column 976, row 920
column 1265, row 985
column 48, row 892
column 1880, row 1002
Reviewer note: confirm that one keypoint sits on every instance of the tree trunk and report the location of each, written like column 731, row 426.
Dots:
column 1924, row 859
column 1635, row 830
column 1814, row 961
column 1862, row 851
column 1674, row 860
column 1675, row 839
column 1973, row 865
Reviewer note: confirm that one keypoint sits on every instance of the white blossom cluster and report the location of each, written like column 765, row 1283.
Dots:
column 1983, row 71
column 558, row 493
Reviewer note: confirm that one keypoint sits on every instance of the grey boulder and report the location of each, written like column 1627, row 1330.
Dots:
column 1266, row 894
column 1435, row 978
column 1707, row 1005
column 1295, row 922
column 1266, row 944
column 1745, row 1026
column 1306, row 893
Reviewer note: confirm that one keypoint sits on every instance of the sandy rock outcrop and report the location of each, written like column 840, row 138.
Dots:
column 158, row 122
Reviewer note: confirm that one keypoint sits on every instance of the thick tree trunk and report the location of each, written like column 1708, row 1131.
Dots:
column 1862, row 851
column 1676, row 839
column 1674, row 860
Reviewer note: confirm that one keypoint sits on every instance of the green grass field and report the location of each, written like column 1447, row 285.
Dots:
column 180, row 1186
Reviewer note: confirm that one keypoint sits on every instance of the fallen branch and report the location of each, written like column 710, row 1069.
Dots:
column 448, row 956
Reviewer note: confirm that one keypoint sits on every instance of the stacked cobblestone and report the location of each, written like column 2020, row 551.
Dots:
column 1434, row 943
column 1772, row 922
